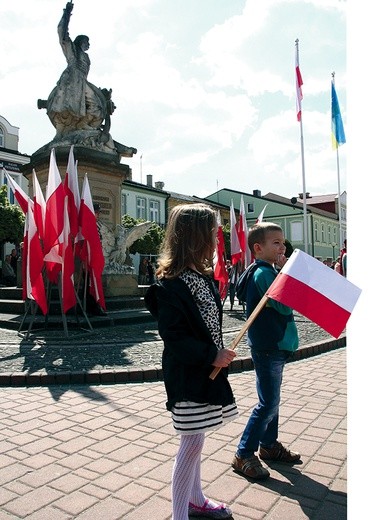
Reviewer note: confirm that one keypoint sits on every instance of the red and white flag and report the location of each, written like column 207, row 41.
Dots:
column 220, row 268
column 234, row 238
column 39, row 206
column 35, row 287
column 20, row 195
column 68, row 291
column 299, row 84
column 316, row 291
column 261, row 216
column 71, row 188
column 243, row 236
column 89, row 230
column 55, row 197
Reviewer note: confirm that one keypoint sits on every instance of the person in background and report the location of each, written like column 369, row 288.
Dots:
column 189, row 312
column 8, row 274
column 14, row 259
column 272, row 338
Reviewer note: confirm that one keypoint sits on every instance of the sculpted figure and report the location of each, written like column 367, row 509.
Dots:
column 75, row 103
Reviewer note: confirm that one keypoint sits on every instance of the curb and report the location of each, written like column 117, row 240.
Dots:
column 143, row 374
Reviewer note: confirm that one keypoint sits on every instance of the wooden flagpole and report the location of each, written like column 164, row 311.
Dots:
column 256, row 311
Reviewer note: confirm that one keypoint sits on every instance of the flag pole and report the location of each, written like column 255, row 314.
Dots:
column 256, row 311
column 338, row 174
column 305, row 231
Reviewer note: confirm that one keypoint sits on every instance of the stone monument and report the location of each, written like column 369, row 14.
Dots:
column 81, row 115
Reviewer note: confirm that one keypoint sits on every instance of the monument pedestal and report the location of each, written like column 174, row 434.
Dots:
column 115, row 285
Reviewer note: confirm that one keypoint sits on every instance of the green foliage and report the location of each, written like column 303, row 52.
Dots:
column 150, row 243
column 11, row 220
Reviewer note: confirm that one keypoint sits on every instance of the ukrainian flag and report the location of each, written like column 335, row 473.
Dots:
column 337, row 130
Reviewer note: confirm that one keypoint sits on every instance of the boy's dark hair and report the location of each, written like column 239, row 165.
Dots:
column 258, row 233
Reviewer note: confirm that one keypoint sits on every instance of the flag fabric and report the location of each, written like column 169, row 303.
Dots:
column 71, row 189
column 94, row 252
column 299, row 84
column 261, row 215
column 243, row 236
column 220, row 268
column 39, row 206
column 316, row 291
column 35, row 287
column 68, row 291
column 54, row 207
column 234, row 238
column 337, row 131
column 20, row 195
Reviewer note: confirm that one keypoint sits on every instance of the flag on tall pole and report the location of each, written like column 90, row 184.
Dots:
column 299, row 84
column 234, row 238
column 338, row 138
column 337, row 131
column 299, row 98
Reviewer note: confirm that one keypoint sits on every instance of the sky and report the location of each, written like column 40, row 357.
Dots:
column 204, row 89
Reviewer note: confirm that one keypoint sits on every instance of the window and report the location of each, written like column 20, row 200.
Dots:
column 296, row 231
column 1, row 137
column 329, row 234
column 322, row 233
column 154, row 211
column 123, row 204
column 140, row 208
column 250, row 208
column 316, row 232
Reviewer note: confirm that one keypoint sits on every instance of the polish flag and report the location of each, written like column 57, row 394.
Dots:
column 54, row 206
column 299, row 84
column 39, row 206
column 261, row 216
column 234, row 238
column 220, row 269
column 92, row 244
column 71, row 189
column 68, row 291
column 243, row 236
column 20, row 195
column 35, row 287
column 316, row 291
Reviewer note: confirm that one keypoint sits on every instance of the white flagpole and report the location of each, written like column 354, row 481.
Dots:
column 305, row 231
column 338, row 174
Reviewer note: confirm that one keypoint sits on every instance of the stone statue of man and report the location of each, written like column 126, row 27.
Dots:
column 75, row 103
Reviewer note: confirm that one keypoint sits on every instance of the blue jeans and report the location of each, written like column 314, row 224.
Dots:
column 262, row 426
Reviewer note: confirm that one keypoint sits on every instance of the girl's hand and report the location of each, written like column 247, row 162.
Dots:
column 224, row 358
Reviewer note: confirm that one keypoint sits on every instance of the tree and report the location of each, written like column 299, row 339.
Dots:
column 150, row 243
column 12, row 220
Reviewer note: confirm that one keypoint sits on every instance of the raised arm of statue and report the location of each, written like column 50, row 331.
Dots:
column 63, row 26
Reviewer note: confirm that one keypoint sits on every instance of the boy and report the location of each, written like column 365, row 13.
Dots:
column 272, row 338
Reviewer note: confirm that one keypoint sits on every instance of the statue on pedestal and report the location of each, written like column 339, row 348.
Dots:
column 80, row 111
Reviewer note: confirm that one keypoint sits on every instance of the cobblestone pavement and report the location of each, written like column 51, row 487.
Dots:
column 105, row 452
column 117, row 347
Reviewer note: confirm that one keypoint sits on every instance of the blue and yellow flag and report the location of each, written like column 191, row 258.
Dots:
column 337, row 130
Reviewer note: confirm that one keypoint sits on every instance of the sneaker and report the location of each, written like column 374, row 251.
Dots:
column 250, row 467
column 279, row 453
column 219, row 512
